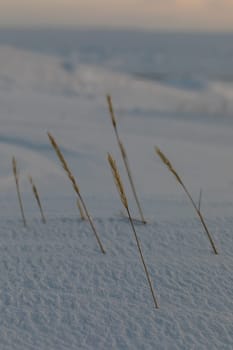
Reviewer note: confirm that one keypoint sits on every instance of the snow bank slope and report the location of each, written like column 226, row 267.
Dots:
column 39, row 94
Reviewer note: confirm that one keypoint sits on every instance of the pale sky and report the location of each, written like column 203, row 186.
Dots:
column 148, row 14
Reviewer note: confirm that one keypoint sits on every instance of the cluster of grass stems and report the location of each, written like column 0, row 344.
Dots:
column 81, row 205
column 15, row 169
column 124, row 157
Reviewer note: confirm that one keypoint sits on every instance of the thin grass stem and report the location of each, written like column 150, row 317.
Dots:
column 75, row 187
column 80, row 208
column 199, row 200
column 143, row 260
column 37, row 197
column 124, row 201
column 178, row 178
column 16, row 176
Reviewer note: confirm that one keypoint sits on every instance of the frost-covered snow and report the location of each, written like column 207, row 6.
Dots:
column 57, row 291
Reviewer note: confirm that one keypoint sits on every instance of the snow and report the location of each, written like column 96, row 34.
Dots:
column 57, row 291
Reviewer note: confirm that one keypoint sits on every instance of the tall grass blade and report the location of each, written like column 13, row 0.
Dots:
column 124, row 201
column 80, row 208
column 199, row 200
column 36, row 195
column 76, row 188
column 173, row 171
column 124, row 157
column 16, row 176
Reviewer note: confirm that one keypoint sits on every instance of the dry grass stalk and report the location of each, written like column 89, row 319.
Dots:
column 200, row 199
column 16, row 176
column 76, row 188
column 80, row 208
column 36, row 195
column 124, row 201
column 173, row 171
column 117, row 179
column 124, row 157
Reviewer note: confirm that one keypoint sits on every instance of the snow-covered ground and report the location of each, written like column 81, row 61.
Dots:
column 57, row 291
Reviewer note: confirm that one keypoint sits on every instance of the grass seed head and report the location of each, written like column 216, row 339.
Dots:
column 14, row 166
column 166, row 161
column 63, row 162
column 117, row 180
column 111, row 111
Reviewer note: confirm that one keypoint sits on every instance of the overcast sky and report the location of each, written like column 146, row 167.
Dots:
column 152, row 14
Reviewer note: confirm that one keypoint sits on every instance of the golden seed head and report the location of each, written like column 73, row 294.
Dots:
column 166, row 161
column 63, row 162
column 117, row 180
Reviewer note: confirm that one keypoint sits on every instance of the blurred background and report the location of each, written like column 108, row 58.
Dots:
column 168, row 66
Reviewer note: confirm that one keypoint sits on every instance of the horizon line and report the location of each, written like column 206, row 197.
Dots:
column 98, row 28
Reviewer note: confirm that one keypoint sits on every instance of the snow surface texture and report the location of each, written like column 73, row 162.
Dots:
column 57, row 291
